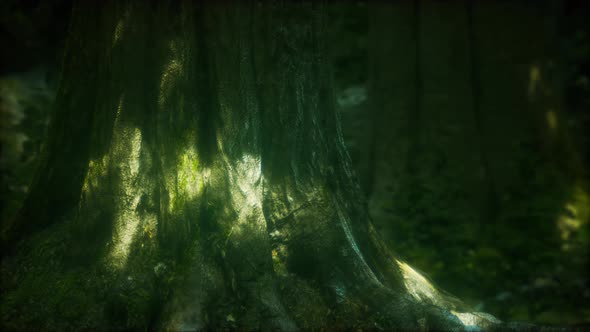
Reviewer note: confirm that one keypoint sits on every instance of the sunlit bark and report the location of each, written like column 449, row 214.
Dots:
column 200, row 142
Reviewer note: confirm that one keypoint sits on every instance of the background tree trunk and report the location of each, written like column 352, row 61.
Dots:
column 426, row 108
column 470, row 133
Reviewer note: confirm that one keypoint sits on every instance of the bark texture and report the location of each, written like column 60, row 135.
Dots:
column 198, row 172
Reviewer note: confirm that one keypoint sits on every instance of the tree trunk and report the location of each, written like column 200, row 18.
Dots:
column 199, row 179
column 471, row 141
column 433, row 163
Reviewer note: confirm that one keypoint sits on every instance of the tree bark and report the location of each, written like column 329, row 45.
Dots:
column 197, row 166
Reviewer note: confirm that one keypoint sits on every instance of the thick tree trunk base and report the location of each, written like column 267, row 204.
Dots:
column 46, row 287
column 53, row 283
column 206, row 186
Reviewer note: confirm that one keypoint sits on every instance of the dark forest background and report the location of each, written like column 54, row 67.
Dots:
column 468, row 123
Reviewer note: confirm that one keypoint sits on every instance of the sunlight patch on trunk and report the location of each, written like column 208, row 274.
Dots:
column 417, row 285
column 188, row 180
column 246, row 196
column 97, row 171
column 170, row 75
column 118, row 32
column 127, row 148
column 475, row 320
column 188, row 176
column 120, row 28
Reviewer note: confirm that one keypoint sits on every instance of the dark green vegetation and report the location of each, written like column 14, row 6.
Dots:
column 194, row 174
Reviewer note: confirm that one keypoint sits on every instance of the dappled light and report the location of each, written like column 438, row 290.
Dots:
column 551, row 117
column 126, row 153
column 186, row 180
column 170, row 75
column 472, row 319
column 122, row 162
column 417, row 286
column 574, row 215
column 118, row 32
column 286, row 166
column 246, row 195
column 534, row 84
column 96, row 175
